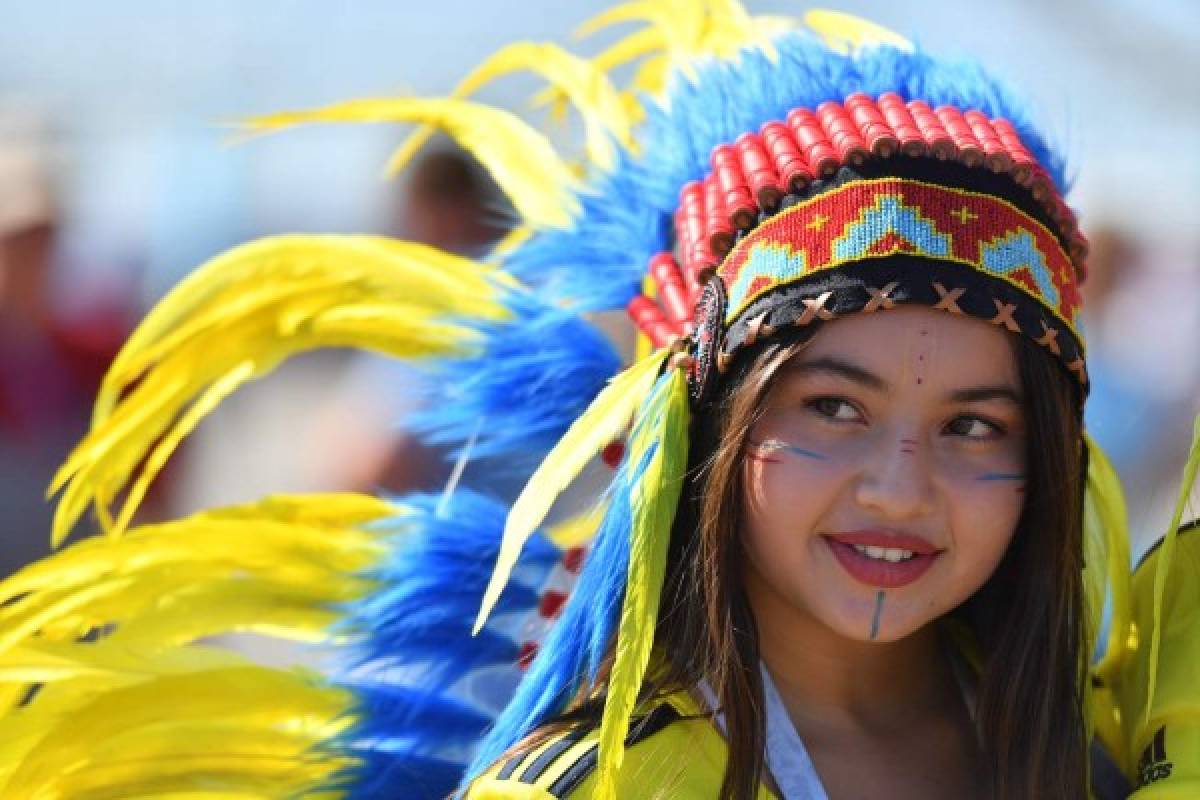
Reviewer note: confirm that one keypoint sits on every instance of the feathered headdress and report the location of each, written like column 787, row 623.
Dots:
column 734, row 134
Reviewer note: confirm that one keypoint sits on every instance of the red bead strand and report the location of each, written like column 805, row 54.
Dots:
column 941, row 145
column 790, row 164
column 693, row 245
column 843, row 133
column 818, row 151
column 912, row 143
column 718, row 230
column 879, row 136
column 650, row 320
column 994, row 154
column 970, row 152
column 759, row 170
column 1023, row 162
column 672, row 295
column 735, row 189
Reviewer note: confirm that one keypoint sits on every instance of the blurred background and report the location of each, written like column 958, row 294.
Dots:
column 117, row 177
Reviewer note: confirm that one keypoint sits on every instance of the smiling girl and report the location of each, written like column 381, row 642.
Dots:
column 856, row 544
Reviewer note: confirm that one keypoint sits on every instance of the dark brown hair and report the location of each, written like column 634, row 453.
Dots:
column 1027, row 620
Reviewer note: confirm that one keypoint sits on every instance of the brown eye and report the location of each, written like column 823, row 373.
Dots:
column 834, row 408
column 976, row 428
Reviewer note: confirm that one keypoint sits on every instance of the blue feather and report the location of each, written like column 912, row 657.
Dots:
column 414, row 668
column 581, row 638
column 536, row 373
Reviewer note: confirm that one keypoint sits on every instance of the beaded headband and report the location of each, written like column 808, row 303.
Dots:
column 857, row 207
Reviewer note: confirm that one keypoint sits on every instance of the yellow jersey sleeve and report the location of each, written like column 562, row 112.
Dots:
column 1162, row 752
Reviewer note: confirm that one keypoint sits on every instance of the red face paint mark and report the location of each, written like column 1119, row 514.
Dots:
column 921, row 363
column 761, row 458
column 908, row 446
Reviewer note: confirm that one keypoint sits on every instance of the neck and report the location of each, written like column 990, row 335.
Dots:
column 833, row 682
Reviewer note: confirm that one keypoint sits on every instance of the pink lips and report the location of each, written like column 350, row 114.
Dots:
column 876, row 572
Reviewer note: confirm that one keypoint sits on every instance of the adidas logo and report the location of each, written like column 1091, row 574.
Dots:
column 1153, row 765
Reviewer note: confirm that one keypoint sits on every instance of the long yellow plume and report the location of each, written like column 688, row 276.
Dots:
column 1106, row 555
column 660, row 438
column 580, row 81
column 236, row 319
column 129, row 705
column 521, row 160
column 604, row 420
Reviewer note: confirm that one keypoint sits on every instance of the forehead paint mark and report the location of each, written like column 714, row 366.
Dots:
column 774, row 445
column 877, row 615
column 921, row 360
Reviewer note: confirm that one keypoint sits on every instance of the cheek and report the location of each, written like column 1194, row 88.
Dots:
column 984, row 516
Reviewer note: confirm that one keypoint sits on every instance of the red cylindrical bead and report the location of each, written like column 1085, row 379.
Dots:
column 879, row 136
column 939, row 142
column 842, row 133
column 718, row 229
column 1078, row 249
column 759, row 170
column 789, row 161
column 650, row 320
column 912, row 143
column 1023, row 161
column 994, row 153
column 689, row 222
column 672, row 294
column 970, row 152
column 1041, row 185
column 818, row 151
column 735, row 189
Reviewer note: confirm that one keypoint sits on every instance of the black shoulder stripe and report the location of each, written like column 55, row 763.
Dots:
column 560, row 746
column 649, row 725
column 551, row 754
column 1186, row 527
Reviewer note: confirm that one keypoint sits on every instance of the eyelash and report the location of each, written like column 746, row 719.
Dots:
column 821, row 405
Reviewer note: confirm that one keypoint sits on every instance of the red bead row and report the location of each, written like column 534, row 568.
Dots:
column 752, row 174
column 671, row 316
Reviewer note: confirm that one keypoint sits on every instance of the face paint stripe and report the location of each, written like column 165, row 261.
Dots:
column 787, row 448
column 877, row 615
column 1002, row 476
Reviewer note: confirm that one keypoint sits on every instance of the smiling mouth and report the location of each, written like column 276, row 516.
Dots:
column 882, row 561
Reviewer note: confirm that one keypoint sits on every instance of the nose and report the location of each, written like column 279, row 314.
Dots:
column 895, row 481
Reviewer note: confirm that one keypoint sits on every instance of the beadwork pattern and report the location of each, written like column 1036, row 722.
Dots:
column 878, row 218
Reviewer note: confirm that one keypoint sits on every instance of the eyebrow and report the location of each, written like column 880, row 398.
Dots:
column 864, row 377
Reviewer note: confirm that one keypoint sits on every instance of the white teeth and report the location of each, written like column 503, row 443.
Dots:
column 893, row 554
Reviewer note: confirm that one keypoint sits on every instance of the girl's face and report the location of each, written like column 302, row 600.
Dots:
column 886, row 477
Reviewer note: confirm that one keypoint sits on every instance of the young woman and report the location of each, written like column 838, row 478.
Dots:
column 856, row 543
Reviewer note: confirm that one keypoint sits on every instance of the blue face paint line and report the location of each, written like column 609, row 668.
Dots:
column 787, row 448
column 1002, row 476
column 878, row 614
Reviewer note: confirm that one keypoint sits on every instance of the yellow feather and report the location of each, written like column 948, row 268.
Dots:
column 587, row 87
column 579, row 529
column 265, row 302
column 844, row 33
column 521, row 161
column 1106, row 555
column 602, row 422
column 663, row 427
column 139, row 709
column 1163, row 567
column 241, row 728
column 638, row 44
